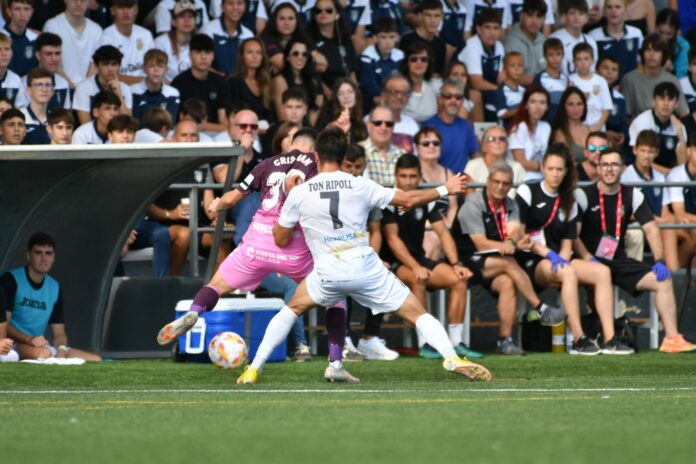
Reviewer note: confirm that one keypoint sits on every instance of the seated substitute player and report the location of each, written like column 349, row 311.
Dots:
column 257, row 255
column 332, row 209
column 485, row 232
column 35, row 300
column 404, row 232
column 601, row 237
column 548, row 219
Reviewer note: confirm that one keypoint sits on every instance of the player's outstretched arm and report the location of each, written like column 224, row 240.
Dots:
column 455, row 184
column 226, row 201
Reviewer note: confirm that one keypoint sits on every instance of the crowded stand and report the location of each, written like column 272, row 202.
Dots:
column 548, row 107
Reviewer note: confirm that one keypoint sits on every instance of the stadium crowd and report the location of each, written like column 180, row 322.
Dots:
column 537, row 93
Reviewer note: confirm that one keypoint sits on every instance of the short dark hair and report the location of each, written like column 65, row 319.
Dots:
column 553, row 43
column 122, row 122
column 655, row 42
column 308, row 132
column 107, row 54
column 105, row 97
column 201, row 43
column 331, row 145
column 583, row 47
column 196, row 108
column 426, row 130
column 294, row 93
column 613, row 151
column 57, row 115
column 39, row 73
column 537, row 7
column 384, row 24
column 407, row 161
column 667, row 90
column 124, row 3
column 48, row 39
column 12, row 113
column 40, row 239
column 489, row 15
column 580, row 5
column 156, row 119
column 600, row 134
column 428, row 5
column 607, row 58
column 26, row 2
column 648, row 138
column 354, row 152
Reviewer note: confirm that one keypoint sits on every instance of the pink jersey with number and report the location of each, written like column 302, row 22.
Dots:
column 268, row 178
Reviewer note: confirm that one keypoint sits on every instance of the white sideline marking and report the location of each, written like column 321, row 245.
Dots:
column 332, row 391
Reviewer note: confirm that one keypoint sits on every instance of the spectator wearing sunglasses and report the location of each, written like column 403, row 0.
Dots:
column 595, row 144
column 494, row 147
column 458, row 139
column 381, row 154
column 243, row 127
column 429, row 15
column 417, row 67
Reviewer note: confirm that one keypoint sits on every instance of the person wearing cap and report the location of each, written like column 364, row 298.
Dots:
column 165, row 8
column 80, row 36
column 175, row 42
column 200, row 82
column 132, row 40
column 107, row 60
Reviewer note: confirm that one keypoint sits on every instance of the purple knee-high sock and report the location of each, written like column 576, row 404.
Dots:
column 205, row 300
column 336, row 329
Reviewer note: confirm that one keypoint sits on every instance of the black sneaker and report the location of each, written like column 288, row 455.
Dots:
column 585, row 347
column 615, row 346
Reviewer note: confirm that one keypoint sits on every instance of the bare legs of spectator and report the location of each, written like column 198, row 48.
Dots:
column 598, row 277
column 180, row 237
column 665, row 303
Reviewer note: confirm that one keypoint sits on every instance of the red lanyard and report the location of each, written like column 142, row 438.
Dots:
column 553, row 212
column 619, row 207
column 502, row 225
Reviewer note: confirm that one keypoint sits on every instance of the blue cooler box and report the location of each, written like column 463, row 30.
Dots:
column 247, row 317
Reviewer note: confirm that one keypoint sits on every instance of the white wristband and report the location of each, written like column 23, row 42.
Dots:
column 442, row 190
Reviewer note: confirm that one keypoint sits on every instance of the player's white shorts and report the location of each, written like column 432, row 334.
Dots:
column 377, row 288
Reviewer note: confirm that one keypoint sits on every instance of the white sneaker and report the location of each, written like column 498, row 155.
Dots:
column 375, row 349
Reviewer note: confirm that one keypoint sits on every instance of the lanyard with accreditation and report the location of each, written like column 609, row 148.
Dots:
column 502, row 224
column 608, row 243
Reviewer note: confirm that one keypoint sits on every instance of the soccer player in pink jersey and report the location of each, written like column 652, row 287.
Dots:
column 258, row 255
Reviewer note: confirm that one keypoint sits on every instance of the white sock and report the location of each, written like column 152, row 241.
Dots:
column 12, row 356
column 336, row 364
column 420, row 338
column 455, row 333
column 276, row 333
column 435, row 335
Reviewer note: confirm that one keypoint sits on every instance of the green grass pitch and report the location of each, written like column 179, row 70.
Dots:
column 542, row 408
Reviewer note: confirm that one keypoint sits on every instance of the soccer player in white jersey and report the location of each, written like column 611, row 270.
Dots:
column 332, row 209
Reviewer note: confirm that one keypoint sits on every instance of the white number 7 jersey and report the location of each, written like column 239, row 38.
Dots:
column 332, row 209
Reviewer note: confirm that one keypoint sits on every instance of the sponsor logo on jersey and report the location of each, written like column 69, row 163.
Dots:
column 541, row 205
column 31, row 303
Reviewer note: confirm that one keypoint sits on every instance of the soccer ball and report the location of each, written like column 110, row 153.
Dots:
column 227, row 350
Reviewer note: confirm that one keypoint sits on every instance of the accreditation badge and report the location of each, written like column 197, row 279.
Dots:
column 607, row 247
column 538, row 236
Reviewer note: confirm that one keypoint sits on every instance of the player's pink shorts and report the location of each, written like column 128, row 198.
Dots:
column 247, row 266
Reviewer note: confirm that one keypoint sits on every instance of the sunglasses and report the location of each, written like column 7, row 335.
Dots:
column 378, row 122
column 416, row 59
column 448, row 96
column 299, row 53
column 427, row 143
column 594, row 148
column 318, row 10
column 496, row 138
column 248, row 126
